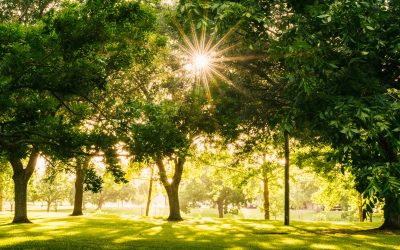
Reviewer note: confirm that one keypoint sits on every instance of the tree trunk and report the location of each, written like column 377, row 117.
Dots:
column 360, row 209
column 150, row 190
column 172, row 188
column 173, row 200
column 1, row 202
column 78, row 201
column 220, row 206
column 287, row 211
column 391, row 210
column 21, row 177
column 1, row 194
column 391, row 214
column 266, row 198
column 100, row 202
column 20, row 198
column 48, row 206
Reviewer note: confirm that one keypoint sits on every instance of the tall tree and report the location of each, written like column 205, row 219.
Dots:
column 50, row 68
column 342, row 73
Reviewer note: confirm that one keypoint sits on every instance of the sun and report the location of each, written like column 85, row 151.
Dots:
column 204, row 57
column 201, row 61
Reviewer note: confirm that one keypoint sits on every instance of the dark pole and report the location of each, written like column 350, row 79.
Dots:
column 286, row 135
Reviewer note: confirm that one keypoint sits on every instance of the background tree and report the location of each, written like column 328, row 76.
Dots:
column 112, row 192
column 51, row 187
column 5, row 184
column 26, row 11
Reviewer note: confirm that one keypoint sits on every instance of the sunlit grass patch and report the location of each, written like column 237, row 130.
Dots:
column 104, row 231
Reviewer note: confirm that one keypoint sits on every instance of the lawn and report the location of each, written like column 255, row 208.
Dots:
column 105, row 231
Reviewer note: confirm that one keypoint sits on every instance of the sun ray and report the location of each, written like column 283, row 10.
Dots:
column 210, row 42
column 195, row 38
column 225, row 50
column 225, row 79
column 203, row 38
column 237, row 58
column 224, row 37
column 185, row 37
column 204, row 57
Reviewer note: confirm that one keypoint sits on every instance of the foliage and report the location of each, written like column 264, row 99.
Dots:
column 28, row 11
column 50, row 187
column 6, row 188
column 213, row 181
column 93, row 182
column 337, row 191
column 111, row 192
column 50, row 68
column 340, row 66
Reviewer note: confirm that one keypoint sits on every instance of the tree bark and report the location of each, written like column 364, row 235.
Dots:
column 391, row 214
column 1, row 202
column 287, row 211
column 266, row 197
column 360, row 208
column 80, row 177
column 172, row 188
column 21, row 177
column 78, row 201
column 150, row 190
column 48, row 206
column 1, row 194
column 391, row 209
column 100, row 202
column 173, row 200
column 220, row 206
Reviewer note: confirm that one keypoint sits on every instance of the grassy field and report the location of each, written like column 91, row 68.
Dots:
column 244, row 213
column 105, row 231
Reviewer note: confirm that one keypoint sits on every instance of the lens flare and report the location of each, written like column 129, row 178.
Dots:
column 200, row 61
column 204, row 57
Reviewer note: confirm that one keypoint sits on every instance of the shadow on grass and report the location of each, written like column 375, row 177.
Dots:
column 114, row 232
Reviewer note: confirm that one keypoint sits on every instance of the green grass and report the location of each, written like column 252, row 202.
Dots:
column 105, row 231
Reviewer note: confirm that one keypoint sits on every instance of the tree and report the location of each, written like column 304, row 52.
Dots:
column 211, row 189
column 111, row 192
column 342, row 69
column 50, row 68
column 334, row 68
column 28, row 11
column 80, row 170
column 259, row 160
column 261, row 80
column 338, row 189
column 167, row 131
column 226, row 115
column 52, row 187
column 5, row 185
column 149, row 193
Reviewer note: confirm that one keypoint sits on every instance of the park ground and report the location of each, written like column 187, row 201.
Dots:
column 102, row 230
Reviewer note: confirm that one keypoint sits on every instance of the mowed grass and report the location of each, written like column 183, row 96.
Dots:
column 104, row 231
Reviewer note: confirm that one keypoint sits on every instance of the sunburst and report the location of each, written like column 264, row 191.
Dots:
column 204, row 57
